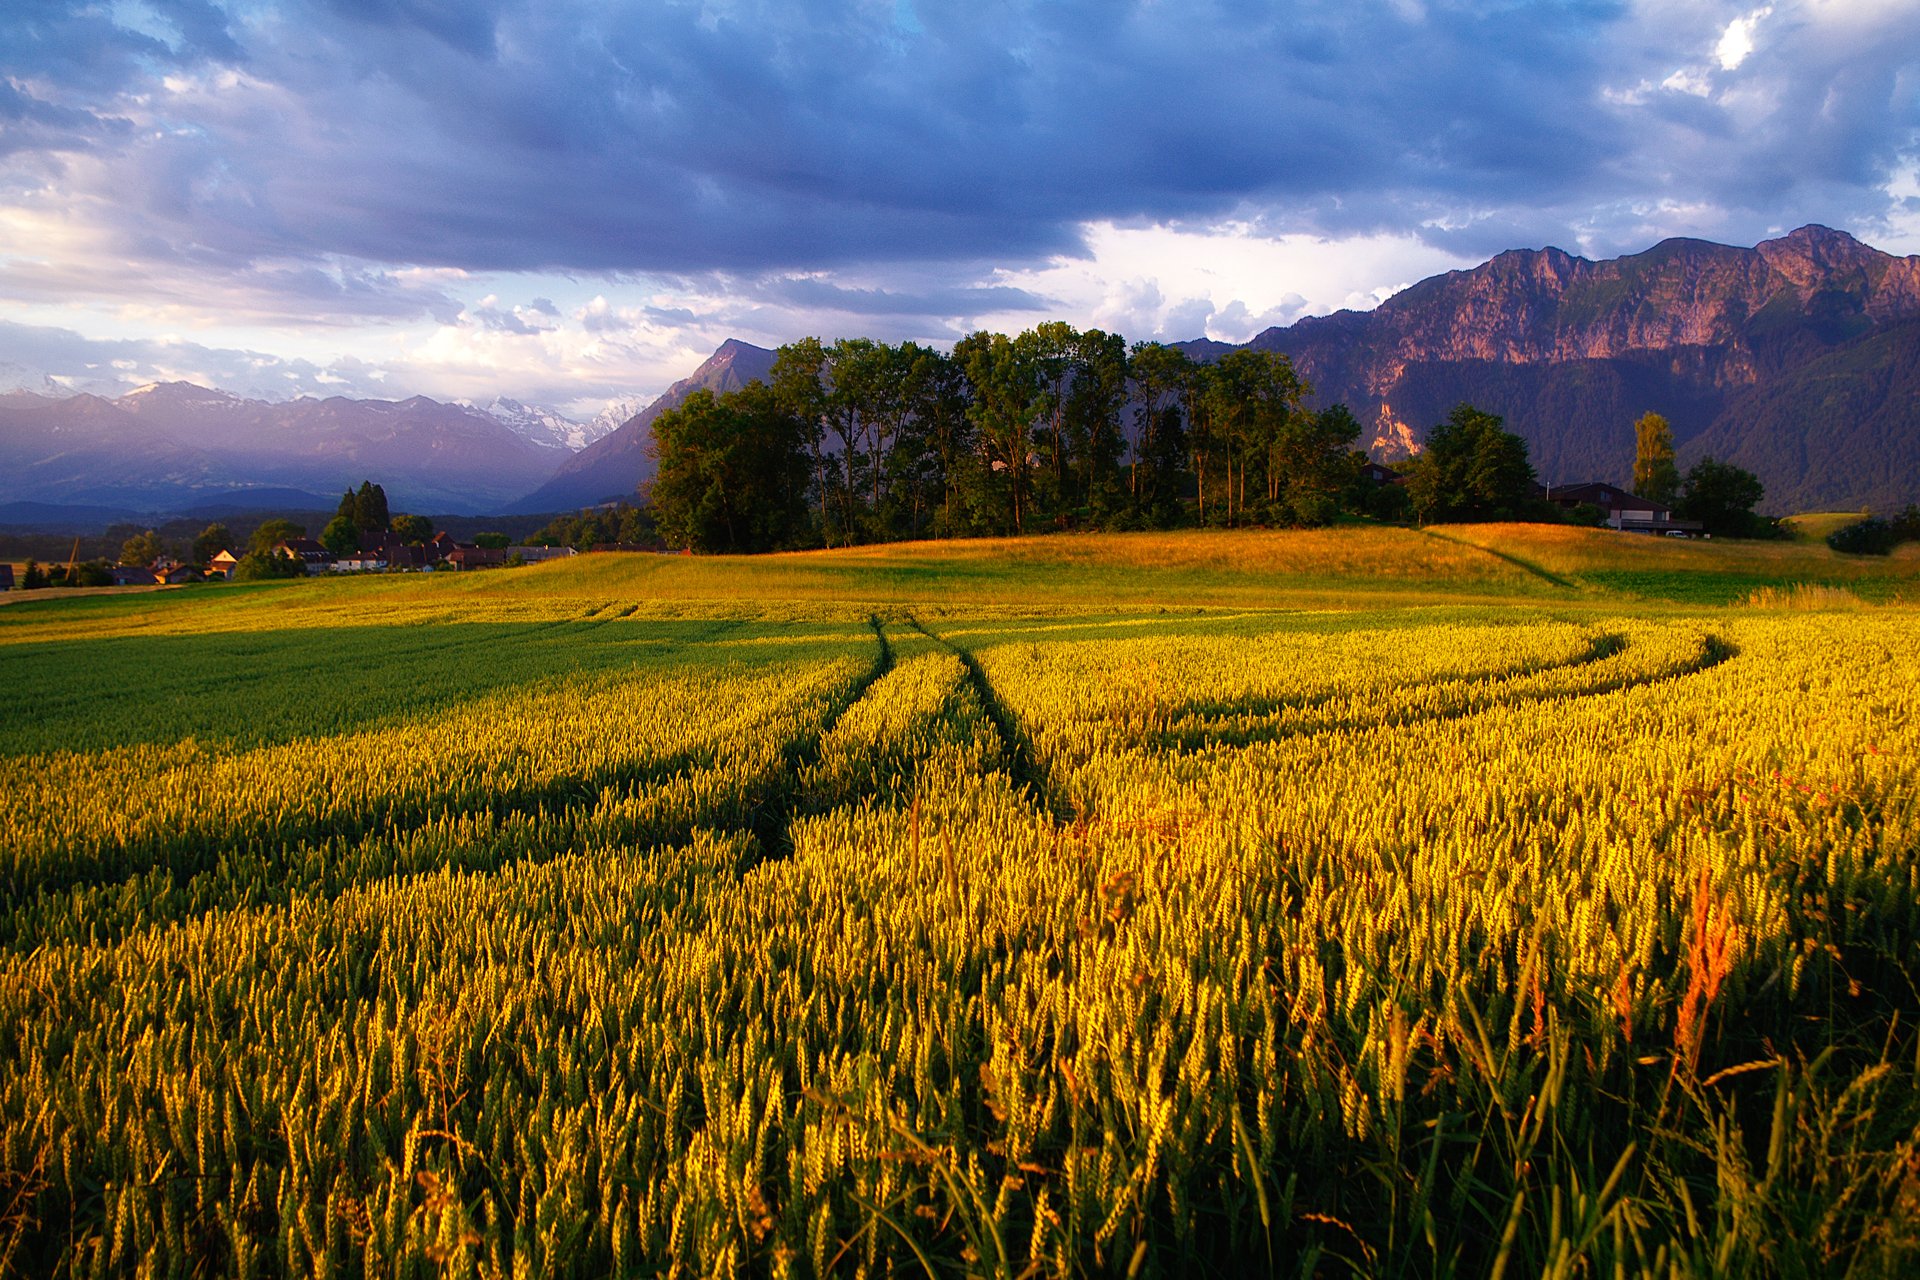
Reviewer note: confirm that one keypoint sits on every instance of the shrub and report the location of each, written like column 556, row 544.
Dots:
column 1870, row 537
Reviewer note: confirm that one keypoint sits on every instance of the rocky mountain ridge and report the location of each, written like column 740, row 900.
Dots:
column 1788, row 358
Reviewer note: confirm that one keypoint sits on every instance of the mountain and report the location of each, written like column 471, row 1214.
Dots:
column 546, row 427
column 174, row 445
column 613, row 467
column 1798, row 359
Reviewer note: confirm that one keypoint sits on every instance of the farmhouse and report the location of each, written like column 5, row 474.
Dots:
column 223, row 564
column 1621, row 509
column 307, row 551
column 476, row 557
column 126, row 575
column 6, row 577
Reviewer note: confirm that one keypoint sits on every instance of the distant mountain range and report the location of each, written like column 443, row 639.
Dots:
column 174, row 446
column 1798, row 360
column 614, row 466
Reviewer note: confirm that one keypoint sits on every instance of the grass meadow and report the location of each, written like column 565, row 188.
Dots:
column 1484, row 901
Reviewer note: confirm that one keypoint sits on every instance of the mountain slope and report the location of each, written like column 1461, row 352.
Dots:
column 614, row 467
column 1729, row 344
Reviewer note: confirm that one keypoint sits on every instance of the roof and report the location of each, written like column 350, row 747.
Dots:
column 1602, row 494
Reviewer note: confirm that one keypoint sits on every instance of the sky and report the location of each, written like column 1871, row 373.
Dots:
column 568, row 202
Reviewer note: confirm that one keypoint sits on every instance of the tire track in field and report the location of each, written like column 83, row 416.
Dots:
column 1713, row 651
column 772, row 824
column 1027, row 772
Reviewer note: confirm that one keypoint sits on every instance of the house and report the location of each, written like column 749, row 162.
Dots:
column 463, row 557
column 125, row 575
column 6, row 577
column 1620, row 509
column 307, row 551
column 1380, row 473
column 223, row 563
column 439, row 546
column 359, row 562
column 173, row 575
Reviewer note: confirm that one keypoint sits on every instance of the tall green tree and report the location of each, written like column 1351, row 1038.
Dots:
column 799, row 382
column 1094, row 435
column 412, row 530
column 1722, row 498
column 213, row 539
column 1311, row 464
column 142, row 549
column 370, row 508
column 733, row 472
column 1656, row 476
column 1006, row 386
column 341, row 536
column 1164, row 380
column 1470, row 468
column 272, row 533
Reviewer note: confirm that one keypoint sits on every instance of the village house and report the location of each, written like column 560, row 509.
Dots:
column 1620, row 509
column 462, row 557
column 133, row 575
column 6, row 577
column 1380, row 473
column 223, row 564
column 307, row 551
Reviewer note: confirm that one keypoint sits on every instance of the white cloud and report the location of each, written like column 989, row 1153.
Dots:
column 1227, row 282
column 1736, row 42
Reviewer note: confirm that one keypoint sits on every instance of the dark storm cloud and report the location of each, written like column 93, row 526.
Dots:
column 757, row 137
column 820, row 295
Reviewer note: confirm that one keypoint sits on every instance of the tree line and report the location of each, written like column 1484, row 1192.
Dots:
column 865, row 441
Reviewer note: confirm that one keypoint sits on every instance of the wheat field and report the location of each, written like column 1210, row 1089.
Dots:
column 1135, row 906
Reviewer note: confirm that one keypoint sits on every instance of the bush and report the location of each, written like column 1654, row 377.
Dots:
column 1869, row 537
column 257, row 566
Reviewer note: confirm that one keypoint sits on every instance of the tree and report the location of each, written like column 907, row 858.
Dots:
column 1722, row 498
column 492, row 541
column 1311, row 463
column 34, row 577
column 213, row 539
column 1006, row 391
column 414, row 531
column 1655, row 475
column 341, row 536
column 273, row 532
column 370, row 508
column 1470, row 468
column 733, row 472
column 257, row 566
column 141, row 549
column 1163, row 378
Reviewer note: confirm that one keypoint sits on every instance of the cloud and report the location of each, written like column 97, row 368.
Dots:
column 740, row 135
column 654, row 177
